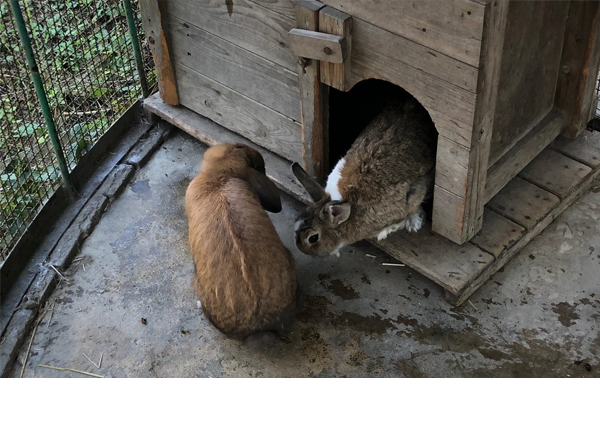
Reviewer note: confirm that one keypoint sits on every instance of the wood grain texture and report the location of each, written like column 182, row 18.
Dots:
column 555, row 173
column 251, row 26
column 239, row 113
column 585, row 149
column 497, row 234
column 528, row 71
column 452, row 28
column 452, row 167
column 211, row 133
column 444, row 86
column 152, row 21
column 332, row 21
column 523, row 202
column 313, row 99
column 236, row 68
column 447, row 264
column 317, row 45
column 467, row 212
column 523, row 152
column 579, row 65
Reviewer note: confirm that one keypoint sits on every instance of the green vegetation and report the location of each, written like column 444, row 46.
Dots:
column 84, row 54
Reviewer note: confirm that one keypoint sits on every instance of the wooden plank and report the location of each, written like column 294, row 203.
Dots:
column 523, row 152
column 497, row 234
column 317, row 45
column 152, row 22
column 508, row 254
column 452, row 28
column 585, row 149
column 523, row 202
column 555, row 172
column 579, row 64
column 240, row 114
column 283, row 7
column 447, row 264
column 332, row 21
column 313, row 100
column 467, row 217
column 445, row 86
column 528, row 71
column 234, row 67
column 250, row 26
column 211, row 133
column 451, row 170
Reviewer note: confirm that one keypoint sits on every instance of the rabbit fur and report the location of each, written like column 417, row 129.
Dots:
column 245, row 277
column 377, row 188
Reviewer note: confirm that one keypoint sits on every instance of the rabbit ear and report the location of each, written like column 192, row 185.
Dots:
column 314, row 189
column 265, row 189
column 336, row 212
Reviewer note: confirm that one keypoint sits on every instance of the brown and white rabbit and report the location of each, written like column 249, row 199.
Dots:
column 245, row 277
column 377, row 188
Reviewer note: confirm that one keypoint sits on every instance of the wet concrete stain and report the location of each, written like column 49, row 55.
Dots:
column 566, row 313
column 345, row 292
column 142, row 189
column 371, row 325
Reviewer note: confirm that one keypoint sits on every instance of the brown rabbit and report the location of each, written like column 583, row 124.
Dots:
column 377, row 188
column 246, row 279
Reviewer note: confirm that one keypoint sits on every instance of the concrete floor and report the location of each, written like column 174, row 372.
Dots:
column 537, row 317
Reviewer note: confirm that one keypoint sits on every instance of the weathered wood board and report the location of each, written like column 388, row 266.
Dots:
column 240, row 70
column 262, row 125
column 528, row 71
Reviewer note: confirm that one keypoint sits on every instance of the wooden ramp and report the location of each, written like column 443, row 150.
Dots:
column 520, row 211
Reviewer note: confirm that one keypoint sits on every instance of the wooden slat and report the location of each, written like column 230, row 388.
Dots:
column 522, row 202
column 211, row 133
column 453, row 28
column 555, row 172
column 585, row 149
column 439, row 83
column 283, row 7
column 528, row 71
column 522, row 153
column 313, row 99
column 234, row 67
column 579, row 65
column 317, row 45
column 250, row 26
column 467, row 211
column 152, row 22
column 452, row 164
column 332, row 21
column 497, row 234
column 240, row 114
column 447, row 264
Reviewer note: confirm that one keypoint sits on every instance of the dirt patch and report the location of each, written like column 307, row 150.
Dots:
column 566, row 313
column 374, row 325
column 345, row 292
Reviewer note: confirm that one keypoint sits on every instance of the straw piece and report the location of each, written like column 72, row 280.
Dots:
column 68, row 369
column 393, row 265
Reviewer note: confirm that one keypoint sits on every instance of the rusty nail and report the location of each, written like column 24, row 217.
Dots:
column 327, row 50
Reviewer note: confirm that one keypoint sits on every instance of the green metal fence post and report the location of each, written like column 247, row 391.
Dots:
column 136, row 47
column 41, row 94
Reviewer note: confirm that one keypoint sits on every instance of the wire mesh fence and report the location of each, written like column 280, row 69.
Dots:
column 86, row 60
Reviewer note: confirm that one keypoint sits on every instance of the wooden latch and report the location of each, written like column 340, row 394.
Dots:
column 317, row 45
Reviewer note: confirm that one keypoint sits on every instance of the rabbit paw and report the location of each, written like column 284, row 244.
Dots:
column 415, row 221
column 390, row 229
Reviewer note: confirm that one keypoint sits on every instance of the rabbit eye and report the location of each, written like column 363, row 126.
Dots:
column 313, row 239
